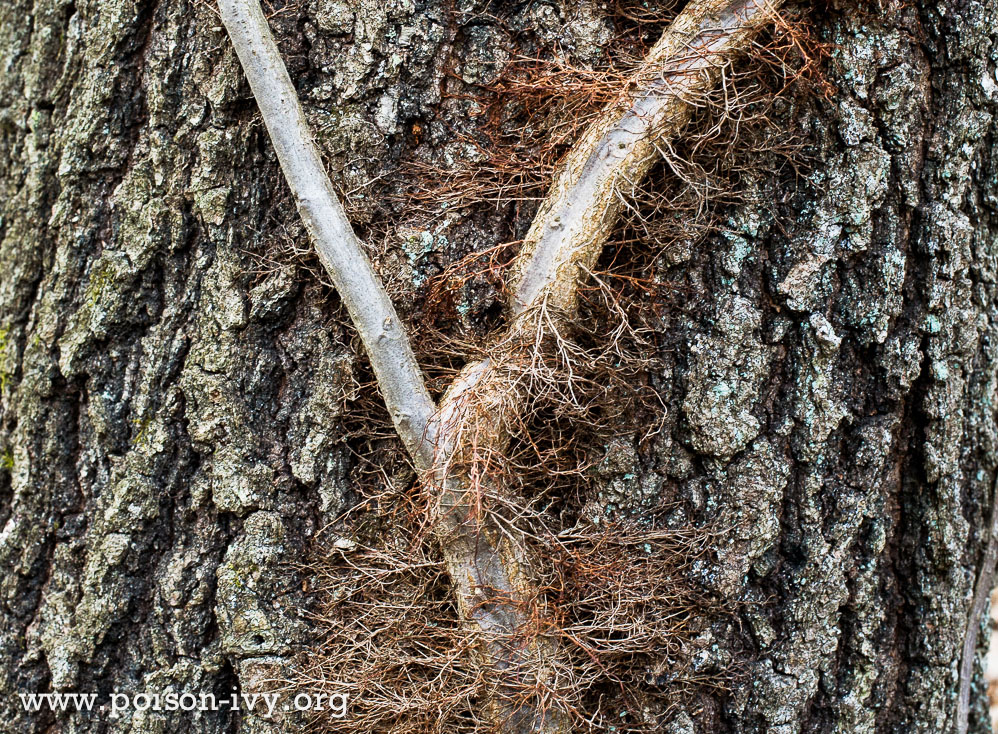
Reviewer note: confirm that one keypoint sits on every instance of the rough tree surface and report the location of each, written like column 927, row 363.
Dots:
column 171, row 431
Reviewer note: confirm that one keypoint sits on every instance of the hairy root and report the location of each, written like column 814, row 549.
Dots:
column 625, row 615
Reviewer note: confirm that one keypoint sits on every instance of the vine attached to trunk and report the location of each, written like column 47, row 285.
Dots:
column 455, row 446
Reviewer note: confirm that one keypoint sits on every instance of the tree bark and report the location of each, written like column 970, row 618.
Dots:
column 172, row 429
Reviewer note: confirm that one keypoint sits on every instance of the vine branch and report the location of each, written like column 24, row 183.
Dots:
column 340, row 250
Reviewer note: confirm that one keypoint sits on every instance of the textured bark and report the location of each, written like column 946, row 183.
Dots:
column 171, row 423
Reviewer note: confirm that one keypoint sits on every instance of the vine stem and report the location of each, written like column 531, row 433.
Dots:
column 455, row 448
column 982, row 590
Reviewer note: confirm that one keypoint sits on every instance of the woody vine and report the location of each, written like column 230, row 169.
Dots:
column 457, row 443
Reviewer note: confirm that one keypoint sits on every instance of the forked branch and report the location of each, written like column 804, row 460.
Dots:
column 455, row 448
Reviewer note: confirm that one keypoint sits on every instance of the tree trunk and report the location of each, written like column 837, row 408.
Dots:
column 173, row 393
